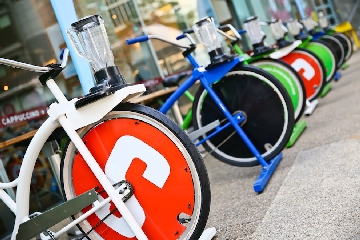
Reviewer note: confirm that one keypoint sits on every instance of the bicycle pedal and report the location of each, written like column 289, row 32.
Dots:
column 125, row 189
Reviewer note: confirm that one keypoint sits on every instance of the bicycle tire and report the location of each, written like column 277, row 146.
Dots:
column 347, row 44
column 270, row 127
column 314, row 90
column 329, row 77
column 295, row 82
column 188, row 173
column 337, row 47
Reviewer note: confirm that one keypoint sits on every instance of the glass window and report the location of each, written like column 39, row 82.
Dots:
column 5, row 21
column 122, row 21
column 166, row 19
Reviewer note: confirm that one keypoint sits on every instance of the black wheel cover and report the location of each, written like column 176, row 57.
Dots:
column 260, row 103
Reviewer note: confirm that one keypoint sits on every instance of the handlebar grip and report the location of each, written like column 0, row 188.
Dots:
column 62, row 54
column 180, row 37
column 137, row 39
column 223, row 27
column 184, row 32
column 188, row 31
column 241, row 31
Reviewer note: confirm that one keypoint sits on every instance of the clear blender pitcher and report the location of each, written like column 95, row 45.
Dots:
column 256, row 36
column 253, row 30
column 206, row 32
column 279, row 32
column 95, row 48
column 94, row 41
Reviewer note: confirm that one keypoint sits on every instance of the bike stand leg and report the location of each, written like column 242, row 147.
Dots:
column 297, row 131
column 208, row 234
column 267, row 168
column 310, row 107
column 337, row 76
column 344, row 66
column 326, row 89
column 266, row 173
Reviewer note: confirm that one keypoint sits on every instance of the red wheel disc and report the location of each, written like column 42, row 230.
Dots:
column 308, row 68
column 161, row 205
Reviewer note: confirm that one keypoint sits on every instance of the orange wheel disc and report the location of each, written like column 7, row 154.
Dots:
column 309, row 69
column 157, row 170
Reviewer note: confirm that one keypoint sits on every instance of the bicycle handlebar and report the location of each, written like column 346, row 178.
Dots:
column 189, row 31
column 145, row 38
column 64, row 56
column 24, row 66
column 137, row 39
column 227, row 26
column 29, row 67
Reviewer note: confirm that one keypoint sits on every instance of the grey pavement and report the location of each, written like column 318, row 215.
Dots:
column 313, row 193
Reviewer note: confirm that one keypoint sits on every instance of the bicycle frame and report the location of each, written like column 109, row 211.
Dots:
column 188, row 117
column 65, row 114
column 206, row 78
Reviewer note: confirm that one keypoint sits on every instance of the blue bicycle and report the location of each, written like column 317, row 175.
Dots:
column 242, row 115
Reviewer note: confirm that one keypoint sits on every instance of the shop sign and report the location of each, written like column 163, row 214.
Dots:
column 21, row 117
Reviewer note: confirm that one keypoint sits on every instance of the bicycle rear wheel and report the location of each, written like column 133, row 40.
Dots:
column 265, row 104
column 171, row 188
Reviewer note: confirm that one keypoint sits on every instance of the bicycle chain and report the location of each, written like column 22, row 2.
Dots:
column 124, row 199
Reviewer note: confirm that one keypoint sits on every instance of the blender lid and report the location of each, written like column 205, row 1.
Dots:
column 204, row 20
column 85, row 20
column 249, row 19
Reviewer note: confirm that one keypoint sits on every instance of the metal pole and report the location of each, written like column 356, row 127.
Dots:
column 66, row 15
column 353, row 11
column 300, row 9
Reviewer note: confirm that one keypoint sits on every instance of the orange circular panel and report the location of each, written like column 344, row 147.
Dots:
column 308, row 68
column 154, row 166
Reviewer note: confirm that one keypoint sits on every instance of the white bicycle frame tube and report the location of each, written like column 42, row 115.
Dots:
column 64, row 113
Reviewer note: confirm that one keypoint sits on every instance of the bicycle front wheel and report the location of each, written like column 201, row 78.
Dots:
column 290, row 79
column 347, row 44
column 263, row 101
column 171, row 188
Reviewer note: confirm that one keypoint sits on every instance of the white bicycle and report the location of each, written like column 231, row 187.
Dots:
column 127, row 172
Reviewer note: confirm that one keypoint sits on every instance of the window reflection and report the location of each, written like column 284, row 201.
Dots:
column 166, row 19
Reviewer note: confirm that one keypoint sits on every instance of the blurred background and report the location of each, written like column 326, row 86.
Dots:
column 29, row 33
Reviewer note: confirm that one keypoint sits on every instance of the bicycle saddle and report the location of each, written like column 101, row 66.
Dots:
column 174, row 80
